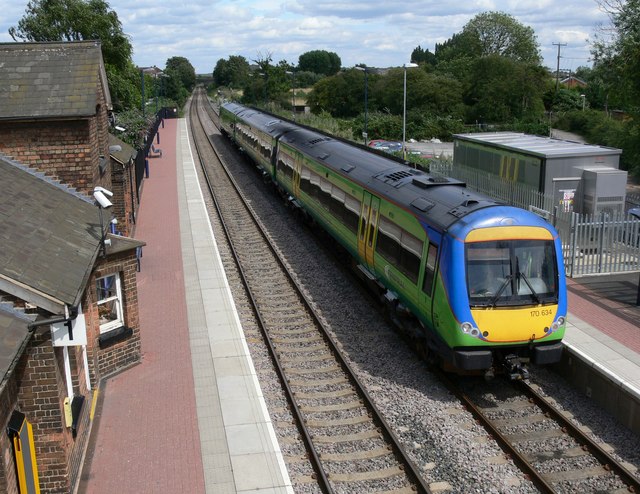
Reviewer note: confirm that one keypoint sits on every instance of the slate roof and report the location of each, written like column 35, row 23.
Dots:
column 49, row 238
column 51, row 80
column 120, row 150
column 14, row 335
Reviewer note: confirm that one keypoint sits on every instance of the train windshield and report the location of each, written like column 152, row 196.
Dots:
column 511, row 272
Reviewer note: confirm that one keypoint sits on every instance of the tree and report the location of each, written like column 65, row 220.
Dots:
column 184, row 70
column 420, row 56
column 491, row 33
column 503, row 90
column 320, row 62
column 617, row 53
column 342, row 95
column 501, row 34
column 76, row 20
column 233, row 72
column 617, row 64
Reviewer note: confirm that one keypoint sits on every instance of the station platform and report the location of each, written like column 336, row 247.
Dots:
column 190, row 417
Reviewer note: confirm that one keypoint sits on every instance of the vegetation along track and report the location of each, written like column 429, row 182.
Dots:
column 349, row 443
column 555, row 454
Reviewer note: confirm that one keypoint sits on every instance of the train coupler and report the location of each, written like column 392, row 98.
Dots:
column 515, row 368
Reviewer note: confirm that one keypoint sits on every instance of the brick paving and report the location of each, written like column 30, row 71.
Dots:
column 145, row 435
column 608, row 303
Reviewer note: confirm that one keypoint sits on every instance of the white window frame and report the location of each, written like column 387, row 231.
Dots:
column 117, row 298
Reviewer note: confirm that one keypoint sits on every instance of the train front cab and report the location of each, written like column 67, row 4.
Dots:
column 513, row 307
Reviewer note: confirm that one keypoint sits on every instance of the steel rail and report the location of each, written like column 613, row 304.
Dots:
column 411, row 470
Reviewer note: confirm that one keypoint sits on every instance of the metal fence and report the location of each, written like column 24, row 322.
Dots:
column 604, row 243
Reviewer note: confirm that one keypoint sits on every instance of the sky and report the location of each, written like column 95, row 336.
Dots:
column 378, row 33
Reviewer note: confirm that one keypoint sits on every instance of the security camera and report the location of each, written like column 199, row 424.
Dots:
column 102, row 199
column 103, row 190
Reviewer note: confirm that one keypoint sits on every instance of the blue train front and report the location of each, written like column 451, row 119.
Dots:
column 479, row 286
column 502, row 276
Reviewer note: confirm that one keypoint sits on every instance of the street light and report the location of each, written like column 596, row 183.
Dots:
column 583, row 100
column 293, row 93
column 365, row 134
column 406, row 66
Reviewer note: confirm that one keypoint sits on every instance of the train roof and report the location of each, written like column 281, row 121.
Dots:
column 268, row 124
column 439, row 201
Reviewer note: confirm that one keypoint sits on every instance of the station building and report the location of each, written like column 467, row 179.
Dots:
column 68, row 295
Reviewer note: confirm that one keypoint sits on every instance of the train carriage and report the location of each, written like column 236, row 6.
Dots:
column 477, row 284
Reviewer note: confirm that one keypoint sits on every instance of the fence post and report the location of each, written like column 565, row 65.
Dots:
column 157, row 137
column 572, row 247
column 603, row 217
column 146, row 168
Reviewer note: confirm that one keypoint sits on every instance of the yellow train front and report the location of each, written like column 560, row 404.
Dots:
column 501, row 292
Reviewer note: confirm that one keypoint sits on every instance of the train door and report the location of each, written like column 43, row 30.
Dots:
column 274, row 159
column 368, row 226
column 295, row 178
column 428, row 279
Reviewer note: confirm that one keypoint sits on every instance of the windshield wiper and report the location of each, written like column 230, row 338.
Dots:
column 504, row 285
column 535, row 296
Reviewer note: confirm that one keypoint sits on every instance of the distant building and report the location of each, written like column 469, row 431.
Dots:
column 581, row 177
column 573, row 82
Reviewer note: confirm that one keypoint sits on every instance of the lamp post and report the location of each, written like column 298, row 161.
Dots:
column 404, row 108
column 584, row 97
column 366, row 86
column 293, row 93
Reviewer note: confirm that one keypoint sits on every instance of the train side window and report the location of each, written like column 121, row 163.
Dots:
column 430, row 269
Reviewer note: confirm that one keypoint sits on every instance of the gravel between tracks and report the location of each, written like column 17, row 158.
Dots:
column 453, row 452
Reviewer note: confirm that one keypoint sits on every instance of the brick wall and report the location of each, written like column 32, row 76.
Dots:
column 38, row 386
column 40, row 396
column 8, row 402
column 123, row 187
column 68, row 150
column 122, row 354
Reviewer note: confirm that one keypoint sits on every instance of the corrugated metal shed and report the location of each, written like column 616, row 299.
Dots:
column 51, row 80
column 49, row 238
column 543, row 147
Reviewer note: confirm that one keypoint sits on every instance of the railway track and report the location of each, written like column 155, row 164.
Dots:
column 555, row 454
column 348, row 442
column 552, row 458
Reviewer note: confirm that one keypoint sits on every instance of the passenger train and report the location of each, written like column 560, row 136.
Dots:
column 478, row 285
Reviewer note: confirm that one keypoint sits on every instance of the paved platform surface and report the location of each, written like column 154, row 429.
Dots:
column 190, row 417
column 604, row 325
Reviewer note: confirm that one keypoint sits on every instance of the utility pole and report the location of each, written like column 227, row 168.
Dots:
column 558, row 66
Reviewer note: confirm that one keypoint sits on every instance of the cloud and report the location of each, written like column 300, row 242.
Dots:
column 375, row 32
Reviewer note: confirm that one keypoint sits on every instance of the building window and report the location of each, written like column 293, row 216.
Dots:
column 109, row 302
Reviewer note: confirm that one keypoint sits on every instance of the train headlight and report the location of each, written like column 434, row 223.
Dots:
column 557, row 323
column 470, row 329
